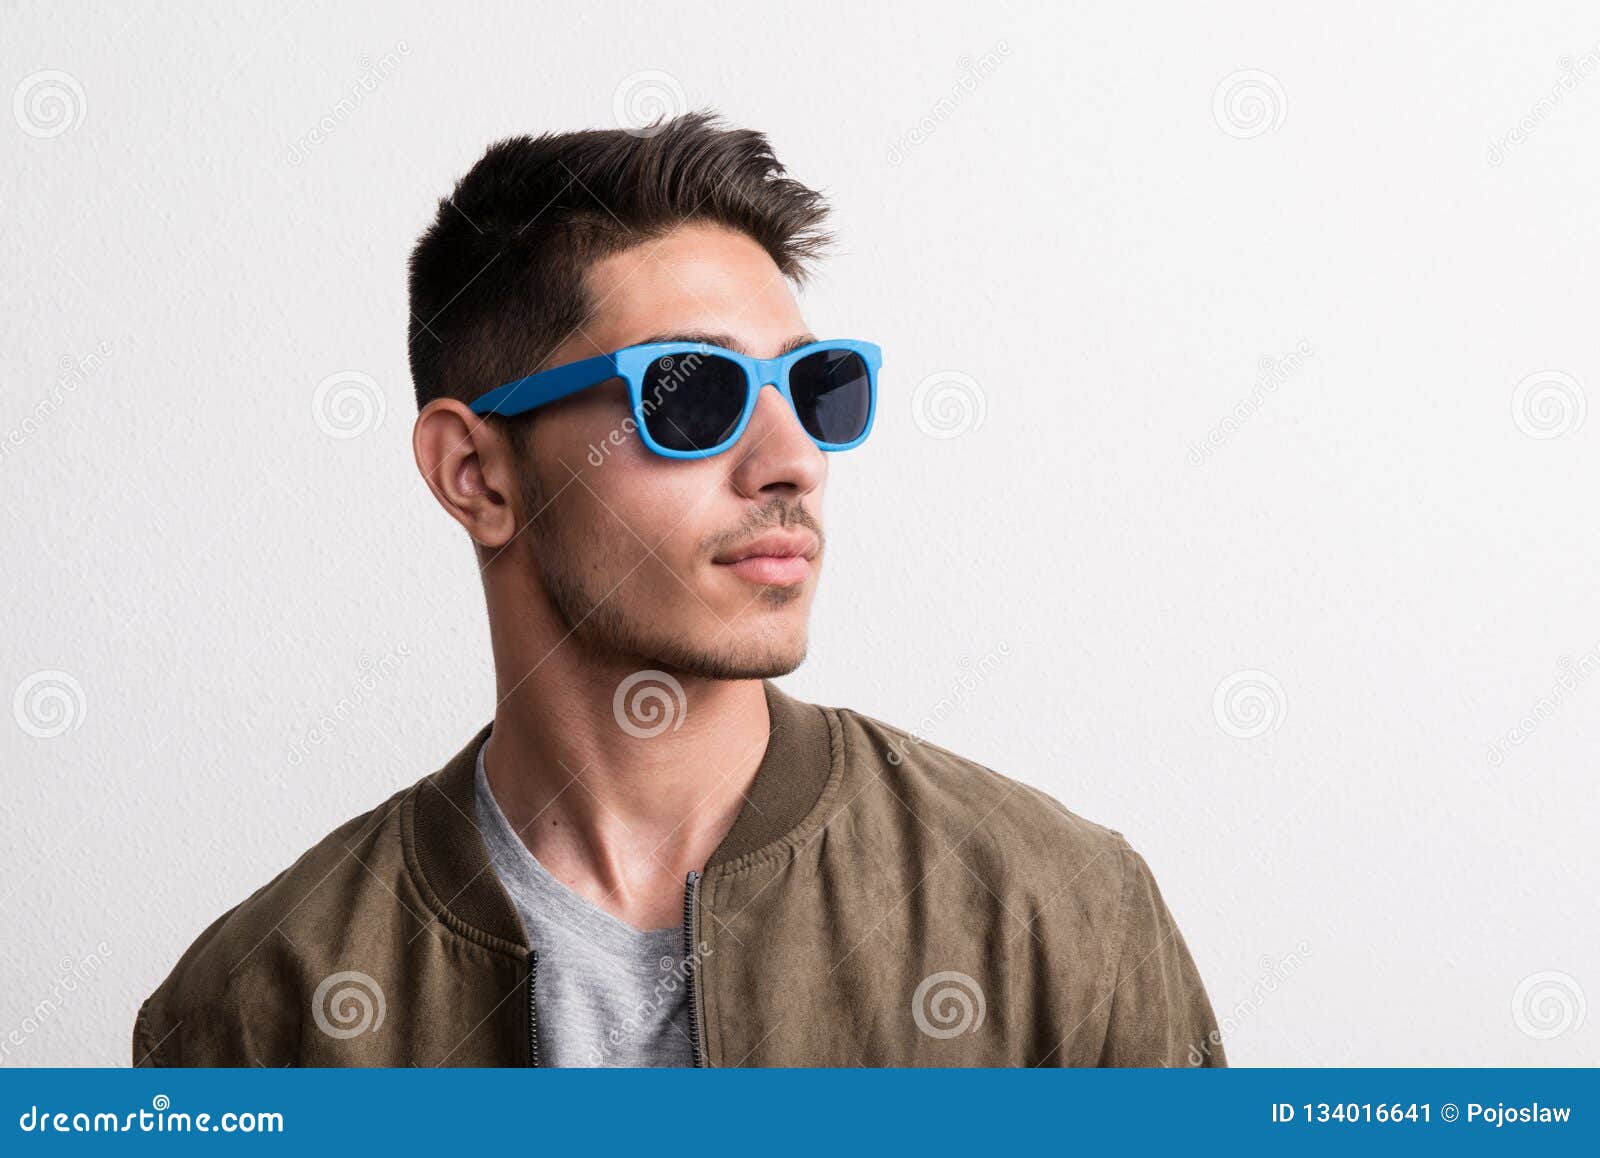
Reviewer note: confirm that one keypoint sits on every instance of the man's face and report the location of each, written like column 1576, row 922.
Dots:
column 705, row 566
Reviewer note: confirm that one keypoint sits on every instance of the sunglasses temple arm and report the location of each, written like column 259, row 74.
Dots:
column 547, row 386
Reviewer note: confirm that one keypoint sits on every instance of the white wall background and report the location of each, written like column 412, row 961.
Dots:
column 1049, row 217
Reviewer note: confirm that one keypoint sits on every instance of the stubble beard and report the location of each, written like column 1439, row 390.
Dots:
column 588, row 601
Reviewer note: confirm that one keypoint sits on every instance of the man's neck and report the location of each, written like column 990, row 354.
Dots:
column 616, row 800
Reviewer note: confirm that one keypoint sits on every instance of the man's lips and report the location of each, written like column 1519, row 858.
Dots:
column 776, row 559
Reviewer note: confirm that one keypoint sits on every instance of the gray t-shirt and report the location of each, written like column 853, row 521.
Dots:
column 606, row 994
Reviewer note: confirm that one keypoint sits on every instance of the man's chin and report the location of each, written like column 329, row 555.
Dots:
column 734, row 660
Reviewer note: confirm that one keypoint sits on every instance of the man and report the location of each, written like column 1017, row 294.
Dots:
column 652, row 856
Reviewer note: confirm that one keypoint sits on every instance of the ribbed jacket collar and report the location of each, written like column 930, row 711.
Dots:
column 446, row 853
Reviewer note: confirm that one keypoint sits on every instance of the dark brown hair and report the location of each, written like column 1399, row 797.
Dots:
column 497, row 281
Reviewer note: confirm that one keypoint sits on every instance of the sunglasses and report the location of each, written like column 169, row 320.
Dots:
column 694, row 400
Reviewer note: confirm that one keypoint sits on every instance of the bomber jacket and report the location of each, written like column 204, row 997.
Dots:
column 878, row 901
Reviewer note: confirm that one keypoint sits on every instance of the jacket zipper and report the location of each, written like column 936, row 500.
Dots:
column 691, row 977
column 533, row 1010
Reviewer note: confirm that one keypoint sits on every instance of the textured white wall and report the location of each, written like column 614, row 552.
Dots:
column 1082, row 238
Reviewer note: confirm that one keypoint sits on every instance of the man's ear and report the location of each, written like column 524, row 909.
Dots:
column 471, row 467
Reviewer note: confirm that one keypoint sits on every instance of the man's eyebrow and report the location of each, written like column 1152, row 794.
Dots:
column 726, row 341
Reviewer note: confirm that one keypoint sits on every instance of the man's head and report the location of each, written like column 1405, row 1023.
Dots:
column 559, row 248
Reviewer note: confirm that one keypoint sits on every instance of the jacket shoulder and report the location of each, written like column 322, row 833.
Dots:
column 966, row 801
column 1066, row 904
column 272, row 947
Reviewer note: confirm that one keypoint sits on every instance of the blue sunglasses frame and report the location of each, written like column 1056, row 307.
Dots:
column 631, row 362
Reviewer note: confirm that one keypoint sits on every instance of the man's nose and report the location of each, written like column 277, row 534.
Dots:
column 776, row 455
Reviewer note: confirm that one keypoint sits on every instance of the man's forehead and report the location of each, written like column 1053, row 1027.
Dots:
column 693, row 259
column 697, row 281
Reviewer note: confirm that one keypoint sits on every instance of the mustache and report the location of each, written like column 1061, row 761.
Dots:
column 775, row 515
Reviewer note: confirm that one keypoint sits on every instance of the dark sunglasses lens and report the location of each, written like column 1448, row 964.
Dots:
column 832, row 393
column 693, row 401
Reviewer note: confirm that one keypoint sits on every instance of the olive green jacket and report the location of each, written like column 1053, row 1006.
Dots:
column 878, row 901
